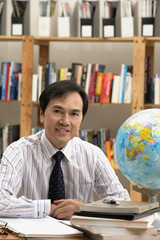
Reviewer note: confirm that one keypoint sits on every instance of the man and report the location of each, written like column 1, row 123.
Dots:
column 27, row 164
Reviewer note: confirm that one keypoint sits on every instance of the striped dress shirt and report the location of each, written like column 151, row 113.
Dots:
column 25, row 170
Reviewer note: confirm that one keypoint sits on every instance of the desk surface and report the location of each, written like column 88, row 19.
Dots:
column 10, row 236
column 13, row 237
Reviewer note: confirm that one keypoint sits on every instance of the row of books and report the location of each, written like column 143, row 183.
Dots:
column 18, row 8
column 130, row 18
column 102, row 139
column 101, row 86
column 47, row 8
column 10, row 80
column 87, row 9
column 8, row 134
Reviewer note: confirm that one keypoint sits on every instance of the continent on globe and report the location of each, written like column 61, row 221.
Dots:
column 137, row 148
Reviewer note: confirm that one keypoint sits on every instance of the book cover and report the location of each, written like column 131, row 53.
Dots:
column 7, row 82
column 89, row 68
column 123, row 75
column 98, row 86
column 156, row 89
column 15, row 68
column 147, row 79
column 92, row 85
column 40, row 85
column 4, row 79
column 51, row 70
column 34, row 87
column 128, row 88
column 127, row 207
column 13, row 133
column 106, row 88
column 78, row 74
column 114, row 233
column 141, row 223
column 116, row 89
column 108, row 151
column 74, row 71
column 83, row 78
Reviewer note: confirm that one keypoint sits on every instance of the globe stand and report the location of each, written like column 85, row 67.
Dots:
column 152, row 194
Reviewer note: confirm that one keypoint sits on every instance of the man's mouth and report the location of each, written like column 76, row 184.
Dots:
column 62, row 130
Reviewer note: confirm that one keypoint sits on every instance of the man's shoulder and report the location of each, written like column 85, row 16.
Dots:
column 83, row 143
column 31, row 140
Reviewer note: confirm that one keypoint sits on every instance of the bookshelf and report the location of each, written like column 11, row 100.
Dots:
column 27, row 70
column 142, row 47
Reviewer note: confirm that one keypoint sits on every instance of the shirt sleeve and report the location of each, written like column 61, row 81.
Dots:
column 107, row 183
column 11, row 172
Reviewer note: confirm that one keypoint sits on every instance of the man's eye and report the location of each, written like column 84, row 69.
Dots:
column 74, row 114
column 56, row 111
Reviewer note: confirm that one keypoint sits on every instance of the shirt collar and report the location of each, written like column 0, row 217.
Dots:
column 49, row 150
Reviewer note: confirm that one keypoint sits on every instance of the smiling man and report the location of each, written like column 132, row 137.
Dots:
column 35, row 181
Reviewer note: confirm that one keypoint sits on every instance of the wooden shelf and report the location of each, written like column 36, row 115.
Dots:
column 41, row 40
column 142, row 47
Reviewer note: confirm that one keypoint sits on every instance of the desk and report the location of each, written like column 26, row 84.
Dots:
column 10, row 236
column 13, row 237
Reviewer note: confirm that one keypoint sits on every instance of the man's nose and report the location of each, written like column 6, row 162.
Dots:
column 65, row 119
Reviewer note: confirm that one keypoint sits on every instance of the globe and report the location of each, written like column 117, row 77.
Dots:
column 137, row 148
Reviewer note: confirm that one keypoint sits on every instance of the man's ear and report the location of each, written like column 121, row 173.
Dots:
column 41, row 116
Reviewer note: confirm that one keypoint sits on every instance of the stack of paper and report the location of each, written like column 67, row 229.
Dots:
column 40, row 228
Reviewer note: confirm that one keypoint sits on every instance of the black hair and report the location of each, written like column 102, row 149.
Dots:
column 58, row 89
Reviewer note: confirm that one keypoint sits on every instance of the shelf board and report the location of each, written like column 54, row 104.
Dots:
column 10, row 101
column 153, row 39
column 41, row 40
column 151, row 105
column 38, row 40
column 4, row 38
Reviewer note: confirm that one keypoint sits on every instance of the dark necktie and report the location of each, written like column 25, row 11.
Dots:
column 56, row 182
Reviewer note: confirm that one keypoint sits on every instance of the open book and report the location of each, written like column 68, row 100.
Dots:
column 40, row 228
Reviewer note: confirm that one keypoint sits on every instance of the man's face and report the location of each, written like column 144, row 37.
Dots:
column 62, row 118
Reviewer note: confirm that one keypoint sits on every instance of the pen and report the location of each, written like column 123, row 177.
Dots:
column 114, row 202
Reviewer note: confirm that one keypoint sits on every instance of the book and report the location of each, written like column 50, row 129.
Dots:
column 98, row 86
column 40, row 228
column 92, row 83
column 40, row 85
column 4, row 79
column 108, row 233
column 128, row 88
column 88, row 73
column 123, row 75
column 76, row 73
column 13, row 133
column 7, row 82
column 141, row 223
column 14, row 70
column 34, row 87
column 127, row 207
column 106, row 87
column 156, row 89
column 116, row 89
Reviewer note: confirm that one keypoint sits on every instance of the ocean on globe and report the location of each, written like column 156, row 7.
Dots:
column 137, row 148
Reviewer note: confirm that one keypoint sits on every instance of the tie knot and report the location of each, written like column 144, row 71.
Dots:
column 58, row 156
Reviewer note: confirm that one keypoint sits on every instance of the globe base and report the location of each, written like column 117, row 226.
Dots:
column 151, row 193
